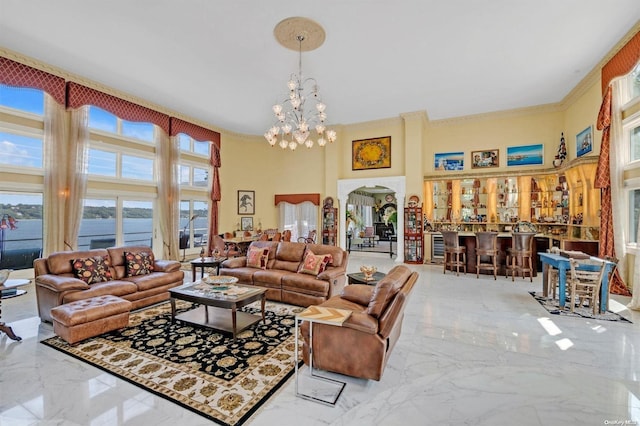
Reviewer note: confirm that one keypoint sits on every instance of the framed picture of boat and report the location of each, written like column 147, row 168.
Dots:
column 584, row 141
column 449, row 161
column 525, row 155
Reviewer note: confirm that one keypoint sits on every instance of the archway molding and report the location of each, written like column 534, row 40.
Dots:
column 396, row 184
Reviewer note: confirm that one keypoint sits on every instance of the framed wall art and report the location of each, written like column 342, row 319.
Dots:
column 372, row 153
column 246, row 202
column 246, row 223
column 525, row 155
column 584, row 141
column 449, row 161
column 484, row 159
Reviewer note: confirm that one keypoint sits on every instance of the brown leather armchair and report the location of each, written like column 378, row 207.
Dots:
column 362, row 345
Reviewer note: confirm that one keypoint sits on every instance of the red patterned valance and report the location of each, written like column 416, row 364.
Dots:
column 78, row 95
column 15, row 74
column 298, row 198
column 622, row 62
column 196, row 132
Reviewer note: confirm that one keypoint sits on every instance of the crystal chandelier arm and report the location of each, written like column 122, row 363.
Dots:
column 301, row 112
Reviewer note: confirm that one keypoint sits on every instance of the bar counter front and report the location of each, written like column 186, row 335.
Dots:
column 542, row 242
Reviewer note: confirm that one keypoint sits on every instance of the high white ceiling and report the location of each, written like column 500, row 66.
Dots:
column 218, row 61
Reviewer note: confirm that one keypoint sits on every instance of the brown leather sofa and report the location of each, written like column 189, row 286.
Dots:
column 56, row 283
column 281, row 277
column 362, row 345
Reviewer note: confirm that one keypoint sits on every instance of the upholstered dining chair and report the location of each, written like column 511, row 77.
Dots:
column 231, row 249
column 309, row 239
column 264, row 237
column 520, row 255
column 219, row 247
column 286, row 235
column 455, row 255
column 277, row 236
column 487, row 246
column 585, row 284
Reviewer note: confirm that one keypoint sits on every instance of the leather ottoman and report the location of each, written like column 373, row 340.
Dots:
column 80, row 320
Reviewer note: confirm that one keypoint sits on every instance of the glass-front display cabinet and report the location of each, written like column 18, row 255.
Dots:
column 413, row 233
column 562, row 203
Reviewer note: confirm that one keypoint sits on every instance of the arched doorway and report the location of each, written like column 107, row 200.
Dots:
column 395, row 183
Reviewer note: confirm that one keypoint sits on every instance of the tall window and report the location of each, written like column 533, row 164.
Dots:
column 21, row 144
column 631, row 135
column 122, row 154
column 194, row 185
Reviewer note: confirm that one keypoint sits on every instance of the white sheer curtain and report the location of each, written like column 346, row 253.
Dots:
column 298, row 218
column 55, row 175
column 167, row 170
column 76, row 170
column 619, row 96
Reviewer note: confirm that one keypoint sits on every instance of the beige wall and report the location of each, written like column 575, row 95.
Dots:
column 494, row 131
column 249, row 163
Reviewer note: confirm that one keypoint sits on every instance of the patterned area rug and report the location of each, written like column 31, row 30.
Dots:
column 197, row 367
column 552, row 306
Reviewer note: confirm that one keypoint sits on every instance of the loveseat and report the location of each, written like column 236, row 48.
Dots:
column 362, row 345
column 69, row 276
column 284, row 274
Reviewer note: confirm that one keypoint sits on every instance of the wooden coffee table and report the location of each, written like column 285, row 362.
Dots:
column 220, row 303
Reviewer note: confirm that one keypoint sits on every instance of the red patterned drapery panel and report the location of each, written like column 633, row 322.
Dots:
column 297, row 198
column 15, row 74
column 78, row 95
column 622, row 62
column 603, row 181
column 215, row 198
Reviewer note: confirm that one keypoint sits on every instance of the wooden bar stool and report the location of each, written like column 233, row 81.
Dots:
column 487, row 246
column 520, row 255
column 453, row 251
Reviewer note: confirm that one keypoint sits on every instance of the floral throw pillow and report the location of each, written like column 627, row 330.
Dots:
column 257, row 257
column 314, row 264
column 138, row 263
column 92, row 269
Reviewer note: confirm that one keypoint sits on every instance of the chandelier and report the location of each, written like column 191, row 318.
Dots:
column 300, row 117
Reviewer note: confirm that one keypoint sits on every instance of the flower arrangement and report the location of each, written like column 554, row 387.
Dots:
column 390, row 215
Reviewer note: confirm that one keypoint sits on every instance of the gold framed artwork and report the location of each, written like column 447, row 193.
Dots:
column 372, row 153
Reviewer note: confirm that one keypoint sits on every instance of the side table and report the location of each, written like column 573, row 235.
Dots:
column 11, row 284
column 358, row 278
column 205, row 262
column 320, row 315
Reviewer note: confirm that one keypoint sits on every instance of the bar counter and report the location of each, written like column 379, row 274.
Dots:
column 542, row 242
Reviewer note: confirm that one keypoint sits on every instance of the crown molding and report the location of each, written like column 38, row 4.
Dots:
column 365, row 125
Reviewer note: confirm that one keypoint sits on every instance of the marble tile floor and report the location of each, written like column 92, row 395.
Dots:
column 472, row 352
